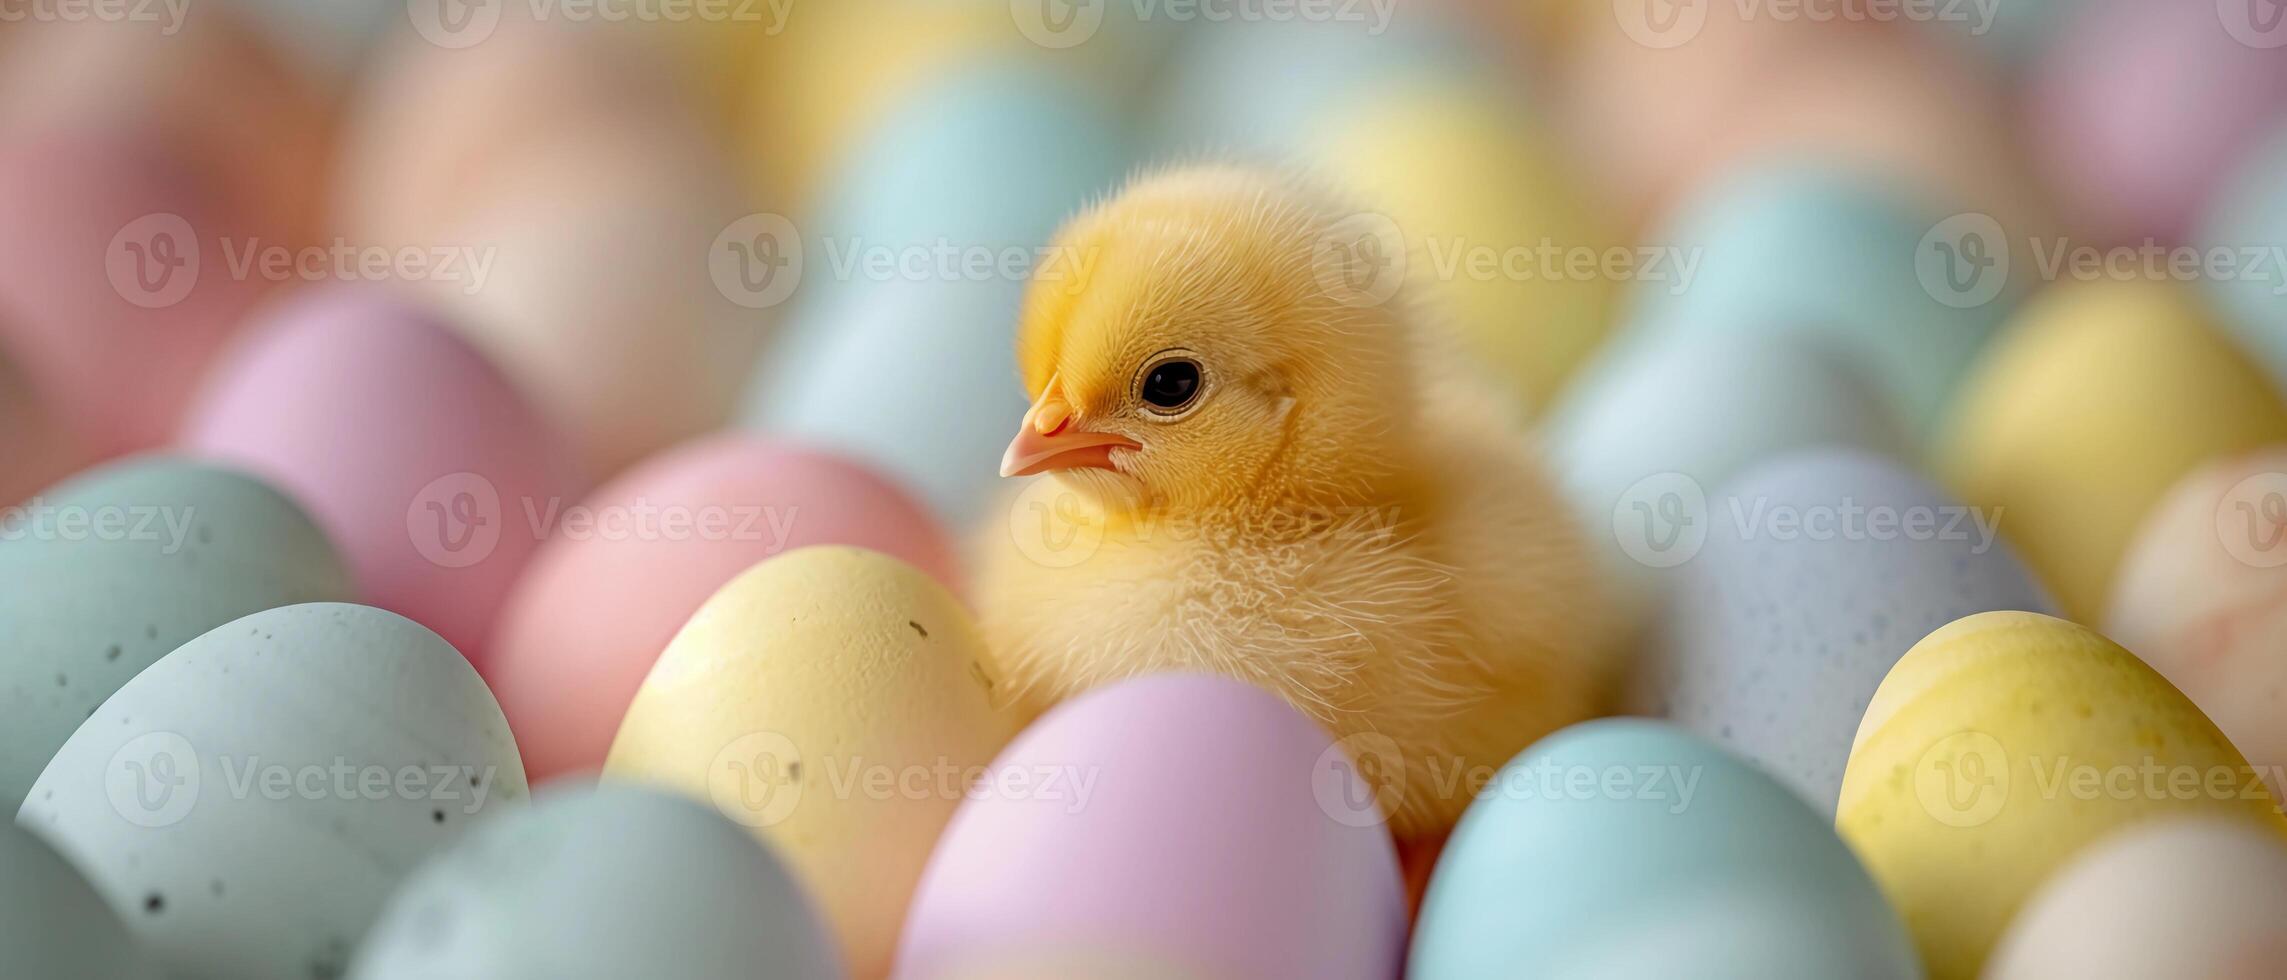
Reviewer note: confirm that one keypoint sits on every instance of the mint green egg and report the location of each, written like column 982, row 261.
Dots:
column 1624, row 848
column 2249, row 223
column 52, row 924
column 103, row 574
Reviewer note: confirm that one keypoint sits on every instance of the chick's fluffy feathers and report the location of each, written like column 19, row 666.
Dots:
column 1346, row 521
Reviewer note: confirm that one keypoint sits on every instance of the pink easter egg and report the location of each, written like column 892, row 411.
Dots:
column 411, row 449
column 621, row 573
column 2141, row 108
column 1188, row 821
column 115, row 289
column 39, row 451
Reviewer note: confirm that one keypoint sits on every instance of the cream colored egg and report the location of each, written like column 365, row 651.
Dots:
column 1999, row 747
column 2202, row 597
column 1497, row 235
column 2167, row 900
column 2080, row 417
column 834, row 701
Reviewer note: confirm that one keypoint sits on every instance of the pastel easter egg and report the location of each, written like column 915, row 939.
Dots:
column 1997, row 749
column 574, row 240
column 1664, row 412
column 1497, row 237
column 2100, row 398
column 115, row 568
column 204, row 84
column 2168, row 899
column 579, row 632
column 2140, row 109
column 117, row 281
column 2247, row 221
column 40, row 449
column 1835, row 253
column 52, row 924
column 912, row 279
column 420, row 461
column 832, row 700
column 1821, row 569
column 1629, row 848
column 248, row 803
column 600, row 883
column 1084, row 837
column 2199, row 597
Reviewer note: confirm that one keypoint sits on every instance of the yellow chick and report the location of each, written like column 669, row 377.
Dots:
column 1257, row 466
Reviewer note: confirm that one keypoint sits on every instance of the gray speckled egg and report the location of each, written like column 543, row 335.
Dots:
column 601, row 883
column 105, row 573
column 53, row 925
column 1821, row 569
column 248, row 803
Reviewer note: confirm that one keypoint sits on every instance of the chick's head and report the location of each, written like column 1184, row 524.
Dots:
column 1196, row 342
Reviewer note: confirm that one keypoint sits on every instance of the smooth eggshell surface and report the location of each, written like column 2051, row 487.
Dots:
column 977, row 167
column 2249, row 217
column 2101, row 397
column 1702, row 406
column 601, row 883
column 53, row 925
column 2202, row 597
column 590, row 211
column 1214, row 845
column 1821, row 569
column 1624, row 848
column 117, row 567
column 116, row 281
column 40, row 449
column 828, row 699
column 580, row 633
column 2162, row 901
column 248, row 803
column 2140, row 109
column 1833, row 252
column 1998, row 748
column 1498, row 238
column 413, row 452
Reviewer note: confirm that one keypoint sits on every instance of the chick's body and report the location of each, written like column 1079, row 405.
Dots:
column 1260, row 471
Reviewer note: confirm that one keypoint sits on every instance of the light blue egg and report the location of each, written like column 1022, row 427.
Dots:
column 104, row 574
column 912, row 366
column 1678, row 413
column 1821, row 569
column 602, row 883
column 53, row 924
column 1833, row 253
column 2250, row 219
column 1625, row 848
column 1258, row 89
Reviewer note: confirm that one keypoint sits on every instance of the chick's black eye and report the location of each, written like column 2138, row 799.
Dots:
column 1171, row 385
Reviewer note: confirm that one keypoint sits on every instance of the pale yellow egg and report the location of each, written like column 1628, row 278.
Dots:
column 1998, row 748
column 1498, row 238
column 836, row 702
column 2101, row 396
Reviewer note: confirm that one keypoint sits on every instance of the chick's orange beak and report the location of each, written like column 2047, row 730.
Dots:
column 1047, row 440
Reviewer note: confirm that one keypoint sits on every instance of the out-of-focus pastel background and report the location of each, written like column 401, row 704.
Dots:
column 454, row 307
